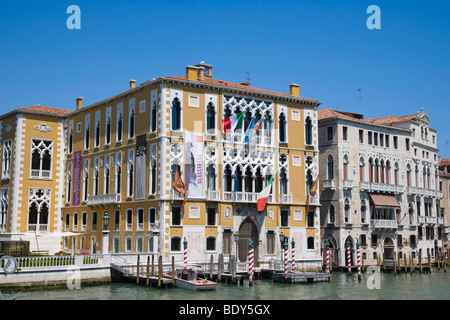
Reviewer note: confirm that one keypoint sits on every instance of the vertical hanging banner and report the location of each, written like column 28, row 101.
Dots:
column 76, row 178
column 141, row 156
column 194, row 169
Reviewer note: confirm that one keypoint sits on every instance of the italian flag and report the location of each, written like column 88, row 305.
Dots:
column 233, row 122
column 264, row 195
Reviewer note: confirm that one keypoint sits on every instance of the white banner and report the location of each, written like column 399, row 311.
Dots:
column 194, row 168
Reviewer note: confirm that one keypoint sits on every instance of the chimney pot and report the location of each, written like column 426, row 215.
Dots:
column 132, row 84
column 79, row 103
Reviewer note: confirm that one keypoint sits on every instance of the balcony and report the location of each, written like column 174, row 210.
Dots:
column 364, row 185
column 240, row 196
column 429, row 193
column 430, row 220
column 420, row 219
column 439, row 194
column 286, row 198
column 440, row 221
column 213, row 195
column 384, row 224
column 411, row 190
column 37, row 227
column 419, row 191
column 329, row 184
column 347, row 184
column 399, row 188
column 175, row 195
column 103, row 199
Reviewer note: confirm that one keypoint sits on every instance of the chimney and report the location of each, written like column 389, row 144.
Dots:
column 132, row 84
column 245, row 83
column 200, row 73
column 79, row 103
column 191, row 73
column 294, row 90
column 207, row 72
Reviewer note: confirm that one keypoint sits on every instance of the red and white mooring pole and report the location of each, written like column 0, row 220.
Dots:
column 328, row 257
column 250, row 261
column 285, row 259
column 358, row 259
column 185, row 252
column 293, row 255
column 349, row 258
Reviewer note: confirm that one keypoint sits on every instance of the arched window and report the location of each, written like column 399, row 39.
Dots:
column 108, row 130
column 154, row 115
column 238, row 179
column 247, row 118
column 347, row 210
column 267, row 126
column 210, row 119
column 408, row 175
column 388, row 172
column 153, row 176
column 331, row 214
column 69, row 182
column 131, row 124
column 282, row 127
column 119, row 127
column 308, row 130
column 396, row 173
column 70, row 140
column 258, row 180
column 330, row 167
column 283, row 181
column 176, row 114
column 345, row 163
column 363, row 211
column 309, row 181
column 97, row 134
column 210, row 178
column 361, row 169
column 371, row 169
column 118, row 179
column 228, row 181
column 248, row 180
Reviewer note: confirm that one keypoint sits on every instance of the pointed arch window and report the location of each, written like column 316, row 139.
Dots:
column 38, row 209
column 97, row 133
column 154, row 116
column 131, row 124
column 308, row 130
column 228, row 181
column 330, row 167
column 282, row 127
column 130, row 173
column 211, row 178
column 3, row 209
column 176, row 114
column 267, row 126
column 118, row 166
column 210, row 119
column 153, row 175
column 96, row 176
column 85, row 179
column 108, row 130
column 41, row 158
column 284, row 181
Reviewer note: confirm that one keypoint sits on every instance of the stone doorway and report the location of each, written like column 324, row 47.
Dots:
column 248, row 231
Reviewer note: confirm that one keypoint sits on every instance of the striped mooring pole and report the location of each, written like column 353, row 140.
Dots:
column 250, row 262
column 185, row 252
column 328, row 257
column 293, row 255
column 349, row 258
column 285, row 259
column 358, row 259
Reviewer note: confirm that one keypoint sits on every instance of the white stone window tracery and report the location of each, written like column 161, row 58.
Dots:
column 41, row 158
column 38, row 209
column 6, row 163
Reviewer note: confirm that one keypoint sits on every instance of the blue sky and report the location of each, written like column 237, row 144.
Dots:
column 324, row 46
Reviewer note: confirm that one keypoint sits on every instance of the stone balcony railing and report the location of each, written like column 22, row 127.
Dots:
column 384, row 224
column 329, row 184
column 430, row 220
column 347, row 184
column 103, row 199
column 420, row 219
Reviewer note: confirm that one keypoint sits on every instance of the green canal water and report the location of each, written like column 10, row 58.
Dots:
column 427, row 286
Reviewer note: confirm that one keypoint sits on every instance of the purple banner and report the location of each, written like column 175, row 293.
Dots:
column 76, row 178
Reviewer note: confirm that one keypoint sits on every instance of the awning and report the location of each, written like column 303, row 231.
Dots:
column 384, row 201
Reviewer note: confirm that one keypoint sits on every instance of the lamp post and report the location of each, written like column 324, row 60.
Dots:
column 105, row 238
column 236, row 239
column 281, row 235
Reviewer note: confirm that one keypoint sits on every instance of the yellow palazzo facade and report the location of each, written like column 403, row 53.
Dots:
column 120, row 156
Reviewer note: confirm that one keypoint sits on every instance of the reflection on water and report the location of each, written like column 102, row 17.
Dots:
column 435, row 286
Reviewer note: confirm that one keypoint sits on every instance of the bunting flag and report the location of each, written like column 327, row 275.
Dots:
column 249, row 132
column 263, row 196
column 178, row 184
column 311, row 193
column 233, row 122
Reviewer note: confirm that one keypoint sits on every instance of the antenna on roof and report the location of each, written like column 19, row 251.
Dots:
column 360, row 101
column 248, row 76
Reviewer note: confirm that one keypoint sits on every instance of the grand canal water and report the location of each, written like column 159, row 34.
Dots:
column 427, row 286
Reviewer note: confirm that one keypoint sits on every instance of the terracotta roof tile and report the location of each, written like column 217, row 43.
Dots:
column 47, row 110
column 232, row 85
column 395, row 119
